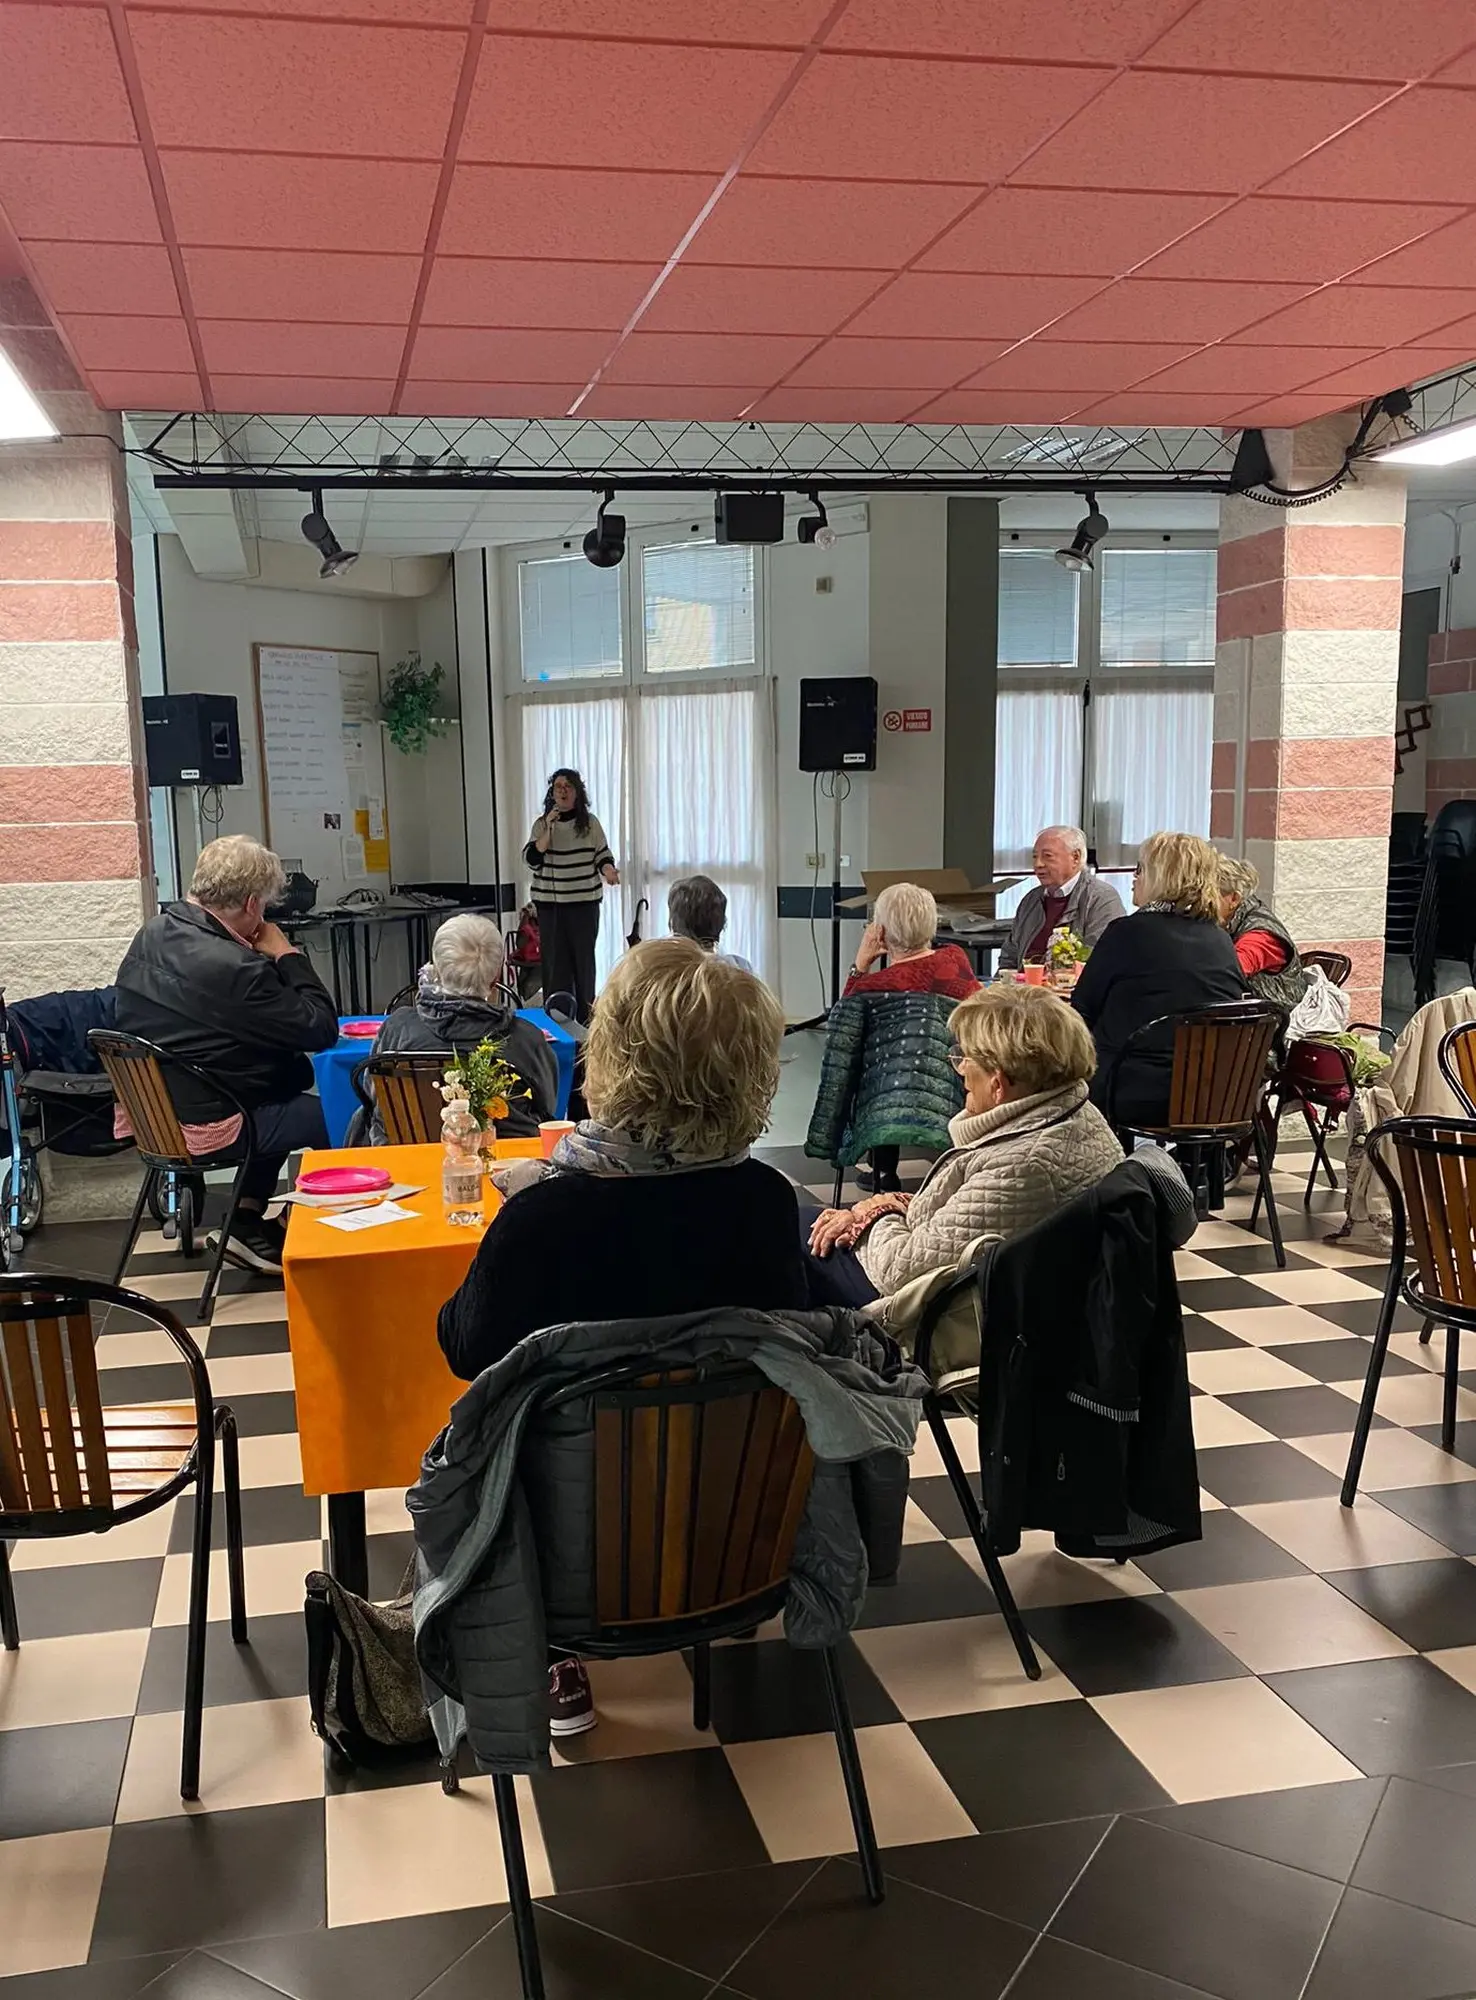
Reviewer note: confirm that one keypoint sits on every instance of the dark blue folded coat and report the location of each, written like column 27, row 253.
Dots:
column 886, row 1079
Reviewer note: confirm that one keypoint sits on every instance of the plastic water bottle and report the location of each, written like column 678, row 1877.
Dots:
column 461, row 1166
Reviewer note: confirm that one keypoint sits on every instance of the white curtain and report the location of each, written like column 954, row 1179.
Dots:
column 1037, row 772
column 704, row 792
column 1151, row 763
column 588, row 734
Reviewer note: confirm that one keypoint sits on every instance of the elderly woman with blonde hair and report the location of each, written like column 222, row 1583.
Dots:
column 1170, row 957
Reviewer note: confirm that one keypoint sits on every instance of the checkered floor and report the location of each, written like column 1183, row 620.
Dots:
column 1248, row 1772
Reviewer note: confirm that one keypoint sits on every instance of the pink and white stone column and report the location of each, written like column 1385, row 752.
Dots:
column 75, row 872
column 1306, row 680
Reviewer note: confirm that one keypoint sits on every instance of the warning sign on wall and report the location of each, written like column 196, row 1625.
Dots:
column 908, row 721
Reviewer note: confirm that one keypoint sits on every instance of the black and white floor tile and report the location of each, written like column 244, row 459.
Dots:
column 1248, row 1771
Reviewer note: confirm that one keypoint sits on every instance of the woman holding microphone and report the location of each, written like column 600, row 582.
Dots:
column 571, row 863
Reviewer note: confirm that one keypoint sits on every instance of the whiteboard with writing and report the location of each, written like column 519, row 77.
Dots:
column 323, row 777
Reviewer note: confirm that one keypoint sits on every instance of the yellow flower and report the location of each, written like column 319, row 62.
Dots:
column 497, row 1108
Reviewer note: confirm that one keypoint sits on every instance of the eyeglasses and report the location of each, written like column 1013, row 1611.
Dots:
column 956, row 1058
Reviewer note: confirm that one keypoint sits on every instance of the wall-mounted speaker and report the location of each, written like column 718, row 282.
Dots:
column 192, row 739
column 838, row 724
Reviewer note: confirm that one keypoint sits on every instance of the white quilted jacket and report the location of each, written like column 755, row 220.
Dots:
column 1009, row 1168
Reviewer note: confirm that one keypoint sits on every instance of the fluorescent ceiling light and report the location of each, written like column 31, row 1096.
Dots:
column 1444, row 447
column 21, row 416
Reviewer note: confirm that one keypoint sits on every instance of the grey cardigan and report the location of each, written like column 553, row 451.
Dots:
column 504, row 1508
column 1092, row 905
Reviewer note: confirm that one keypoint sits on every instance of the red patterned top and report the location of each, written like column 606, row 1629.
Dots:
column 944, row 971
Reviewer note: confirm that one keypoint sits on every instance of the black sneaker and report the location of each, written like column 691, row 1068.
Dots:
column 571, row 1708
column 255, row 1244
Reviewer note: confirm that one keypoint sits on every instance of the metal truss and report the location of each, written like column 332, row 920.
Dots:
column 1434, row 406
column 487, row 454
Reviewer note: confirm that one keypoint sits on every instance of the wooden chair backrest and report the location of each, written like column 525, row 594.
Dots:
column 1437, row 1177
column 141, row 1087
column 53, row 1446
column 700, row 1485
column 407, row 1090
column 1458, row 1063
column 1336, row 964
column 1220, row 1068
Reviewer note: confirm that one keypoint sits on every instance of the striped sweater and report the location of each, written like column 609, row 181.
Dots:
column 570, row 871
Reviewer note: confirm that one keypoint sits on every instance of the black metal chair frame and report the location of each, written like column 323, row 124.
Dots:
column 1437, row 1137
column 629, row 1387
column 934, row 1411
column 159, row 1164
column 1209, row 1140
column 25, row 1296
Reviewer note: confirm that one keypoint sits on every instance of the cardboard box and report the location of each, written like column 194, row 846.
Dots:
column 950, row 886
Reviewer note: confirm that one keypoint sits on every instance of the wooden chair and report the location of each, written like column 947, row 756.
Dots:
column 701, row 1480
column 68, row 1466
column 405, row 1087
column 1432, row 1196
column 1457, row 1057
column 1217, row 1090
column 139, row 1073
column 1336, row 964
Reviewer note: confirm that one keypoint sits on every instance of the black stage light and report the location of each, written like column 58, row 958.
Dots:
column 604, row 545
column 1089, row 531
column 315, row 528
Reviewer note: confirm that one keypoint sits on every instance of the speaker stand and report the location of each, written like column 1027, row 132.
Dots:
column 835, row 890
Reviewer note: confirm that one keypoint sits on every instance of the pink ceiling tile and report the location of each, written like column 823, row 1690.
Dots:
column 268, row 86
column 1456, row 350
column 254, row 347
column 1050, row 365
column 836, row 406
column 1367, row 316
column 664, row 403
column 484, row 399
column 999, row 406
column 806, row 223
column 231, row 200
column 1289, row 411
column 1306, row 241
column 397, row 13
column 1139, row 406
column 1461, row 71
column 1445, row 255
column 971, row 308
column 706, row 358
column 134, row 389
column 465, row 354
column 1108, row 31
column 104, row 277
column 898, row 119
column 301, row 285
column 721, row 298
column 1420, row 147
column 487, row 291
column 95, row 194
column 617, row 104
column 302, row 396
column 779, row 23
column 118, row 341
column 546, row 212
column 1250, row 371
column 60, row 78
column 1316, row 38
column 1198, row 132
column 1048, row 230
column 1173, row 309
column 1394, row 370
column 913, row 365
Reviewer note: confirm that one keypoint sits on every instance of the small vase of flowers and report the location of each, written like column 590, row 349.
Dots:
column 484, row 1083
column 1065, row 956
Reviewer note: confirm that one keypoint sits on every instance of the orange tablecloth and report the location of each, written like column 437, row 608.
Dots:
column 372, row 1388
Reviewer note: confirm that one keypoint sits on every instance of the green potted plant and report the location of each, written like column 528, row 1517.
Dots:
column 410, row 702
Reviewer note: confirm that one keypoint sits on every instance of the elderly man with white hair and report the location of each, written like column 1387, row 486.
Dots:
column 1068, row 898
column 459, row 1003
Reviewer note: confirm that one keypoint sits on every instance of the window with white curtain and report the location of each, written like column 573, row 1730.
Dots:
column 569, row 620
column 679, row 770
column 1105, row 698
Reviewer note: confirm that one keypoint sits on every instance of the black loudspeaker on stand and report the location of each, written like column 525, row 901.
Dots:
column 837, row 735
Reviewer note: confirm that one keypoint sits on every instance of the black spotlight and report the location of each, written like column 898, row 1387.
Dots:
column 315, row 528
column 816, row 527
column 1089, row 531
column 604, row 545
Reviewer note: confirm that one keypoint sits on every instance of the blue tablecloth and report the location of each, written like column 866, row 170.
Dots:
column 334, row 1069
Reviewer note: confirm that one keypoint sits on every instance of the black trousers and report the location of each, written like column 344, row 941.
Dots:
column 568, row 933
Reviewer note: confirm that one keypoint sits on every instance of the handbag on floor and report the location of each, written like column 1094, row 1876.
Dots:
column 364, row 1687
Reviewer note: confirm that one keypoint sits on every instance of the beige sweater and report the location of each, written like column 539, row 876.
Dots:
column 1009, row 1168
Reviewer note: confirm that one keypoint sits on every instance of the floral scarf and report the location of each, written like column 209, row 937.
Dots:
column 593, row 1148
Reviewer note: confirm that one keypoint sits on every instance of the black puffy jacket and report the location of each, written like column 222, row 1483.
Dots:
column 191, row 986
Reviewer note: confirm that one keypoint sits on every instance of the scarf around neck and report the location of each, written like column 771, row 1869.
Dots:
column 593, row 1148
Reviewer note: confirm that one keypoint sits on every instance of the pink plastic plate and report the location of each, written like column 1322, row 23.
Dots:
column 368, row 1028
column 344, row 1180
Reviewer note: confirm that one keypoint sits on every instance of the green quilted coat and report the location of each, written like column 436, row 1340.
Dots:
column 886, row 1079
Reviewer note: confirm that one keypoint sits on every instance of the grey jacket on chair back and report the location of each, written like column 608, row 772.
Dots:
column 504, row 1511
